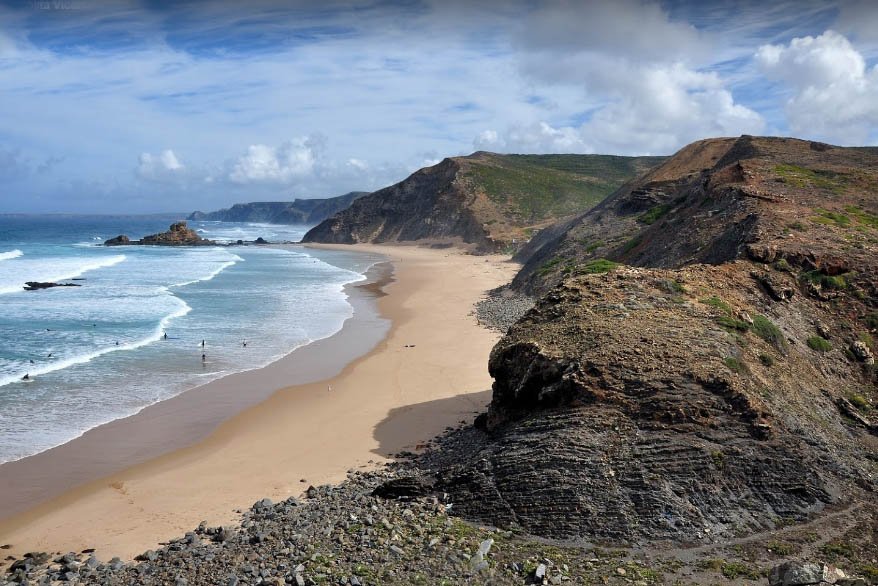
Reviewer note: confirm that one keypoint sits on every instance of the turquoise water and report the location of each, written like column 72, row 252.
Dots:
column 97, row 352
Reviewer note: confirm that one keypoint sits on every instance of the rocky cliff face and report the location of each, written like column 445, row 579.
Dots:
column 713, row 202
column 723, row 397
column 299, row 211
column 485, row 201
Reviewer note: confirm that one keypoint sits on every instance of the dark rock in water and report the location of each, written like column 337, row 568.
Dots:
column 239, row 242
column 35, row 285
column 179, row 234
column 404, row 487
column 260, row 240
column 120, row 240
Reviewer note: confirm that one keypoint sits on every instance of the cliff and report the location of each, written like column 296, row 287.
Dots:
column 179, row 234
column 298, row 211
column 711, row 376
column 485, row 201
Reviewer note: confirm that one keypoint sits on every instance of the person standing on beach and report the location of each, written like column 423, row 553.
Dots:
column 202, row 343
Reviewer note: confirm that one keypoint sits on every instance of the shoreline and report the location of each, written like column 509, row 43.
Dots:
column 278, row 446
column 192, row 415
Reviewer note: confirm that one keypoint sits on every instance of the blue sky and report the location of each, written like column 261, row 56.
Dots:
column 109, row 107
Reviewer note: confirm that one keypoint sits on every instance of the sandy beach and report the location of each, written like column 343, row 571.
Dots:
column 428, row 372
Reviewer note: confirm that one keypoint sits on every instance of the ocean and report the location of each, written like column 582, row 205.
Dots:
column 98, row 352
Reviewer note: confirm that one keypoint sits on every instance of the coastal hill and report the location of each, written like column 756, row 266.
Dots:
column 701, row 362
column 298, row 211
column 484, row 201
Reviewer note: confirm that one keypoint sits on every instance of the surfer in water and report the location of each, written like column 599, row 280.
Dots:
column 203, row 358
column 165, row 336
column 202, row 343
column 26, row 376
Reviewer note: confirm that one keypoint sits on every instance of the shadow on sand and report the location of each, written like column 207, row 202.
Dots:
column 411, row 427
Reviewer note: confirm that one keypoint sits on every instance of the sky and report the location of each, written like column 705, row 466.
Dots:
column 140, row 107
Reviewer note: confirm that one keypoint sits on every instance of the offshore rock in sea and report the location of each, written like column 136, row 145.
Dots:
column 179, row 234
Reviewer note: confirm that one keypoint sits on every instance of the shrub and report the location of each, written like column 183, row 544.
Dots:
column 819, row 344
column 654, row 214
column 871, row 320
column 766, row 359
column 732, row 323
column 769, row 332
column 859, row 401
column 718, row 303
column 735, row 365
column 599, row 265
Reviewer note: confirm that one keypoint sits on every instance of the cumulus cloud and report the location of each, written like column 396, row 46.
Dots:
column 642, row 109
column 161, row 166
column 834, row 93
column 291, row 160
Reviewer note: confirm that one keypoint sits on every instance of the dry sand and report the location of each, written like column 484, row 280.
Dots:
column 428, row 373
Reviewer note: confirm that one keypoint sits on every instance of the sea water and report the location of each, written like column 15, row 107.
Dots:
column 98, row 352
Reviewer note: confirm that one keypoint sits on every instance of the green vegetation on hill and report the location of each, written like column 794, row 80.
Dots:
column 534, row 188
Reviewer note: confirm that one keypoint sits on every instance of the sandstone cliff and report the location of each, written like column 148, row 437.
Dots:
column 485, row 201
column 298, row 211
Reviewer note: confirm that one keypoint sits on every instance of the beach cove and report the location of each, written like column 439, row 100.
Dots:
column 427, row 373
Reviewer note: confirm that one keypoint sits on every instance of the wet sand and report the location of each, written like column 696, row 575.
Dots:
column 428, row 372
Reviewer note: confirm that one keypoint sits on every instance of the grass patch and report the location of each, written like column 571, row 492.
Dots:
column 837, row 282
column 819, row 343
column 862, row 216
column 782, row 548
column 718, row 303
column 765, row 329
column 798, row 226
column 593, row 246
column 871, row 320
column 599, row 265
column 735, row 365
column 859, row 401
column 783, row 265
column 732, row 323
column 829, row 218
column 654, row 214
column 802, row 177
column 533, row 188
column 632, row 244
column 547, row 266
column 766, row 359
column 836, row 549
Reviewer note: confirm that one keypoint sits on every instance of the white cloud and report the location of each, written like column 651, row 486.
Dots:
column 358, row 164
column 835, row 96
column 291, row 160
column 645, row 109
column 165, row 165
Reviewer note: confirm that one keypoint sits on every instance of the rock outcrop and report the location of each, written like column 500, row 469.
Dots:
column 298, row 211
column 700, row 393
column 484, row 202
column 179, row 234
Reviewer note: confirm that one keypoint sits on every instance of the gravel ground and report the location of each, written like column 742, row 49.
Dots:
column 502, row 308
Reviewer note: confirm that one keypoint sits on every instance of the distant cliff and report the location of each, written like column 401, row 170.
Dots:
column 298, row 211
column 484, row 201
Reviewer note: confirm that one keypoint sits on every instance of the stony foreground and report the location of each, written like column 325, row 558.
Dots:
column 346, row 535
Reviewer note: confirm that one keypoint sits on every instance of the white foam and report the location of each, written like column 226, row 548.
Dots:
column 11, row 254
column 51, row 270
column 234, row 260
column 182, row 309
